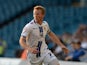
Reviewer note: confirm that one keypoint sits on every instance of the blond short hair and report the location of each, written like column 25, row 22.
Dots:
column 40, row 8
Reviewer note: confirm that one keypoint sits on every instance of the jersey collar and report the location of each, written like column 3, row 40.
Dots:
column 37, row 23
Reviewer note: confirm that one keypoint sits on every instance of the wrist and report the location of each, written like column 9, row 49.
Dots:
column 62, row 47
column 27, row 47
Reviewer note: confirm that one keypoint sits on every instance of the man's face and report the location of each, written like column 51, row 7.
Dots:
column 37, row 14
column 75, row 46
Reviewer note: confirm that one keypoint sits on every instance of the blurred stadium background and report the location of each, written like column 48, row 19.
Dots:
column 62, row 16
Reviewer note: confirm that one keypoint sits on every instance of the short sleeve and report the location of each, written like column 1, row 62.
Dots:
column 48, row 29
column 26, row 30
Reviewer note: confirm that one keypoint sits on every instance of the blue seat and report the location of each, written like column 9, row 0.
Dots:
column 11, row 51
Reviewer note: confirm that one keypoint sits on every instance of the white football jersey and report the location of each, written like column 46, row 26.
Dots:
column 36, row 34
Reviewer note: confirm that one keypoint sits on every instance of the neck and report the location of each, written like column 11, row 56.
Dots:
column 39, row 22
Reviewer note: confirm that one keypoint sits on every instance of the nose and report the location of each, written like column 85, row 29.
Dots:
column 36, row 15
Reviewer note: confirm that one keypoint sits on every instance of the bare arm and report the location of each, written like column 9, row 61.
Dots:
column 56, row 40
column 22, row 42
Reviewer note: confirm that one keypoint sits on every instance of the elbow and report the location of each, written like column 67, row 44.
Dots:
column 20, row 40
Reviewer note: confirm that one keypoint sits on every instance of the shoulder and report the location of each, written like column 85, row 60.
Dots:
column 30, row 24
column 82, row 50
column 45, row 23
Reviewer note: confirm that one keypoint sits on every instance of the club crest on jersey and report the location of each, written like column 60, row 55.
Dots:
column 45, row 28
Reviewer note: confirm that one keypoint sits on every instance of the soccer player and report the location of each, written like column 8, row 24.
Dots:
column 33, row 39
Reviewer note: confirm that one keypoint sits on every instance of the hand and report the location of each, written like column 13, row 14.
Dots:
column 33, row 50
column 68, row 58
column 66, row 51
